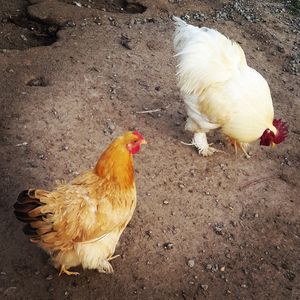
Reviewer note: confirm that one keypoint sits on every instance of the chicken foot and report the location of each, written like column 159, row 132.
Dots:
column 242, row 146
column 64, row 270
column 113, row 257
column 200, row 142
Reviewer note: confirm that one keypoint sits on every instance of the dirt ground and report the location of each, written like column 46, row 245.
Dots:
column 76, row 74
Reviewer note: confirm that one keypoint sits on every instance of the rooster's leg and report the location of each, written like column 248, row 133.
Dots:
column 64, row 270
column 200, row 142
column 235, row 147
column 234, row 143
column 243, row 146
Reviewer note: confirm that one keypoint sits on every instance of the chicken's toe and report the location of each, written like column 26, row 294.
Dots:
column 208, row 151
column 64, row 270
column 105, row 267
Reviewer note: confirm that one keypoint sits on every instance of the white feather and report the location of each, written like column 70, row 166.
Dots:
column 205, row 57
column 219, row 88
column 195, row 116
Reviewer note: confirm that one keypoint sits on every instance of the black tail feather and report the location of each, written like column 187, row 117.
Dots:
column 20, row 207
column 27, row 202
column 27, row 196
column 28, row 230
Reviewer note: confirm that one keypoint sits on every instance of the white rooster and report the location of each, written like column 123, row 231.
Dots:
column 221, row 91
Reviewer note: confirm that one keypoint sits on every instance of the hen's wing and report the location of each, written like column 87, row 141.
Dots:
column 83, row 210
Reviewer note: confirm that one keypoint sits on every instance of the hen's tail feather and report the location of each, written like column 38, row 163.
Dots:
column 28, row 210
column 28, row 230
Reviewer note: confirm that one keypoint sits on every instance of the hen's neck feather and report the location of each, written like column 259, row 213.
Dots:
column 116, row 165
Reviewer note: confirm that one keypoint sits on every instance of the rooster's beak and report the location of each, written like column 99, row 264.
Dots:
column 143, row 142
column 273, row 145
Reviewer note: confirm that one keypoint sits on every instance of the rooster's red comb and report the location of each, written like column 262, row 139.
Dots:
column 282, row 131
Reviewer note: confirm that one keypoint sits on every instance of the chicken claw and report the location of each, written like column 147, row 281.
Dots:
column 113, row 257
column 105, row 267
column 242, row 146
column 64, row 270
column 200, row 142
column 208, row 151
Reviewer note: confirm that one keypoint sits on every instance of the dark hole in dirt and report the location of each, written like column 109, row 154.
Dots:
column 38, row 81
column 111, row 5
column 30, row 33
column 135, row 8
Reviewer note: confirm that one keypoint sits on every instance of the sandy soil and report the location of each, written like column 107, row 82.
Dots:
column 73, row 77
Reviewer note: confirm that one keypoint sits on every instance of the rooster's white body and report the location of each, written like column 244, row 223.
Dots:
column 220, row 90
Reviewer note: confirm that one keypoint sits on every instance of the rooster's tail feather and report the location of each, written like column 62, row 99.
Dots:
column 205, row 57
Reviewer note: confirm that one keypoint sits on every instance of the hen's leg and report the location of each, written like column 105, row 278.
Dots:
column 200, row 142
column 105, row 267
column 64, row 270
column 113, row 257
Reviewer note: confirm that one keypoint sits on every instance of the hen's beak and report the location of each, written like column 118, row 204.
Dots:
column 143, row 142
column 273, row 145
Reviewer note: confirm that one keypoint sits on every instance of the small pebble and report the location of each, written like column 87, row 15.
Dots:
column 77, row 3
column 97, row 20
column 10, row 291
column 280, row 49
column 218, row 228
column 168, row 246
column 181, row 185
column 23, row 37
column 191, row 263
column 42, row 156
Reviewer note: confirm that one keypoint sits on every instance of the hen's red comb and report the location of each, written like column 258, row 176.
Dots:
column 140, row 136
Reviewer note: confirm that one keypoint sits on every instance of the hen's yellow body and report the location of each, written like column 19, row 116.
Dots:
column 80, row 223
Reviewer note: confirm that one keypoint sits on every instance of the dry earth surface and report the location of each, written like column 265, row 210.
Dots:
column 75, row 74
